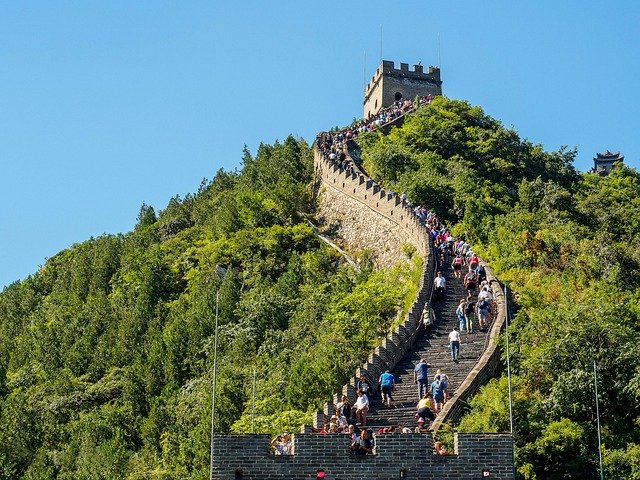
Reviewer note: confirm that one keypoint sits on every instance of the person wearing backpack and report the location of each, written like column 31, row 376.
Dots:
column 469, row 310
column 483, row 312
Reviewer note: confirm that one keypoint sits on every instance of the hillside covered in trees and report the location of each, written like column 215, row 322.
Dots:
column 106, row 352
column 567, row 247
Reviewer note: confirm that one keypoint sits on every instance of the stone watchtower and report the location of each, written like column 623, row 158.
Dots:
column 390, row 84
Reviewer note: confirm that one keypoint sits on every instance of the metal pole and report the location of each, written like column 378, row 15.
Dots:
column 364, row 72
column 506, row 316
column 508, row 361
column 213, row 390
column 381, row 43
column 253, row 403
column 595, row 381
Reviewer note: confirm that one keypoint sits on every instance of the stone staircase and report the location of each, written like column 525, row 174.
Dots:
column 435, row 349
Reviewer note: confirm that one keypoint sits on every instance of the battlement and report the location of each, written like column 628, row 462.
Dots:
column 387, row 67
column 390, row 84
column 250, row 456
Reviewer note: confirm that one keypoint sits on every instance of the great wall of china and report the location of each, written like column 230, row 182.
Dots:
column 369, row 218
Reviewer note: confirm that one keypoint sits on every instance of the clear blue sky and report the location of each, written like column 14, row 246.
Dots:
column 105, row 105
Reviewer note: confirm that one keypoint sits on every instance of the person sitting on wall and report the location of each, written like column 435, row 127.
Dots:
column 282, row 444
column 343, row 408
column 343, row 423
column 353, row 434
column 438, row 449
column 363, row 445
column 334, row 427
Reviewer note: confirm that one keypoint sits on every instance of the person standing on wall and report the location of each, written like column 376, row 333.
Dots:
column 440, row 287
column 421, row 377
column 387, row 384
column 454, row 341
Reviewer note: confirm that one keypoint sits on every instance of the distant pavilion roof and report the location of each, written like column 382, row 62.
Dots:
column 610, row 156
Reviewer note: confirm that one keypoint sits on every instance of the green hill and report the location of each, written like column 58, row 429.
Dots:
column 106, row 353
column 567, row 246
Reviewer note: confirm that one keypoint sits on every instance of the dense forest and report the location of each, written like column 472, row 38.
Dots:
column 106, row 353
column 567, row 247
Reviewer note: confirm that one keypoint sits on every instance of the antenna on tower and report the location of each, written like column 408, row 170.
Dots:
column 380, row 43
column 438, row 49
column 364, row 71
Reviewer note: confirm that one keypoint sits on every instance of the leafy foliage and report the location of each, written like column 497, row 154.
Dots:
column 106, row 353
column 566, row 245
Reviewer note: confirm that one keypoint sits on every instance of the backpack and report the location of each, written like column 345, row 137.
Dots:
column 469, row 308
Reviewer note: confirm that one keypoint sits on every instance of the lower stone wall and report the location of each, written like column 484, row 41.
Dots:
column 361, row 227
column 250, row 456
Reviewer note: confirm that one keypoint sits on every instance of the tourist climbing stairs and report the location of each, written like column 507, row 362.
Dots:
column 436, row 351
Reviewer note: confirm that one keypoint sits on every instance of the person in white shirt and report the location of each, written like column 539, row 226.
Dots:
column 454, row 341
column 362, row 408
column 439, row 285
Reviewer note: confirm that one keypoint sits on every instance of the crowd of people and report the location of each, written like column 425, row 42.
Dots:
column 334, row 144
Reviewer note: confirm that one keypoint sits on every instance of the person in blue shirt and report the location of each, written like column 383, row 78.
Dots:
column 437, row 392
column 387, row 384
column 421, row 377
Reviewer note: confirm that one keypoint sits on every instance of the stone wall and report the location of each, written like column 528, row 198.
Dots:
column 370, row 218
column 387, row 81
column 250, row 456
column 353, row 196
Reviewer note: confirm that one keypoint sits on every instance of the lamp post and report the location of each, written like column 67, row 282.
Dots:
column 595, row 381
column 213, row 392
column 506, row 316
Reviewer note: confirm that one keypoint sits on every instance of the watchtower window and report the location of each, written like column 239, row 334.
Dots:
column 398, row 96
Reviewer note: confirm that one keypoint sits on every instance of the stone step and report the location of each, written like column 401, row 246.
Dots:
column 436, row 350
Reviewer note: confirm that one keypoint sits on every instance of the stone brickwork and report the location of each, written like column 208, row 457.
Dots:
column 250, row 456
column 362, row 228
column 389, row 82
column 365, row 212
column 373, row 219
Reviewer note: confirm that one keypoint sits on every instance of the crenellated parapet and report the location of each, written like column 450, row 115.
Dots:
column 390, row 84
column 389, row 219
column 251, row 457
